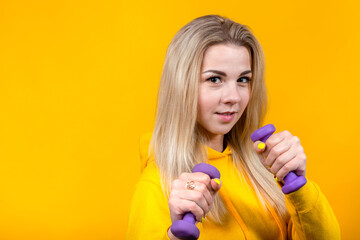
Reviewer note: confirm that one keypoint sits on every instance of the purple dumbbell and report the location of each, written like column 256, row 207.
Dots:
column 185, row 228
column 291, row 180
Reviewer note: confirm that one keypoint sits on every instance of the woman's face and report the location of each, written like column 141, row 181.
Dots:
column 224, row 88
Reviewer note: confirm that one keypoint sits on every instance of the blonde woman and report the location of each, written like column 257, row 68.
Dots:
column 212, row 97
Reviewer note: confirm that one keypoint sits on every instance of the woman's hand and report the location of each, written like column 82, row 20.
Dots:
column 282, row 154
column 198, row 200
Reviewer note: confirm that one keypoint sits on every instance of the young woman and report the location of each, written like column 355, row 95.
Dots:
column 212, row 97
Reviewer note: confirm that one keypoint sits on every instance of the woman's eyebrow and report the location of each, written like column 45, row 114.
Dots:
column 224, row 74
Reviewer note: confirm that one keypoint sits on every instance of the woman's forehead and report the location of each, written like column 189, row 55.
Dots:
column 226, row 58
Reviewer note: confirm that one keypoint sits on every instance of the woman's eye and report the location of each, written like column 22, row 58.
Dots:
column 244, row 80
column 215, row 80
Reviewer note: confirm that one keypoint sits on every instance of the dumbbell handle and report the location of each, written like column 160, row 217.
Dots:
column 185, row 228
column 291, row 180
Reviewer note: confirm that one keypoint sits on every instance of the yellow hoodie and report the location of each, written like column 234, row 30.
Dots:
column 311, row 214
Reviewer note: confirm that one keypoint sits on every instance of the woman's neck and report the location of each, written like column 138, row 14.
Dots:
column 216, row 142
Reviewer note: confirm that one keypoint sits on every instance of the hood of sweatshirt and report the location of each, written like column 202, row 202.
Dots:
column 146, row 157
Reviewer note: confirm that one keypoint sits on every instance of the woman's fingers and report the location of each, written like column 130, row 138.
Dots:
column 260, row 148
column 181, row 206
column 284, row 157
column 216, row 184
column 196, row 197
column 282, row 154
column 276, row 151
column 192, row 189
column 297, row 164
column 199, row 187
column 197, row 177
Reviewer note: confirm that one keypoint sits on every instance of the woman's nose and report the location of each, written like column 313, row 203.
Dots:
column 231, row 94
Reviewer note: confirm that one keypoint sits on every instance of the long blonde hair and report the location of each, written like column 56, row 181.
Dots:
column 178, row 142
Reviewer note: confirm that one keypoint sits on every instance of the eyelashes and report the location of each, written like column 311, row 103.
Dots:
column 217, row 79
column 214, row 79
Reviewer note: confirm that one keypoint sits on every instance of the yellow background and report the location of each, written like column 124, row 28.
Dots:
column 78, row 87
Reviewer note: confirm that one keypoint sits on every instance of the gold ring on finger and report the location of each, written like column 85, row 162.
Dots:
column 190, row 185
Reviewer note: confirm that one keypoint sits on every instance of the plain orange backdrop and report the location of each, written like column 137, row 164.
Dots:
column 78, row 85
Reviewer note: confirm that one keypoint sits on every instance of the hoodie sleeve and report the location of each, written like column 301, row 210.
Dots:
column 311, row 214
column 149, row 216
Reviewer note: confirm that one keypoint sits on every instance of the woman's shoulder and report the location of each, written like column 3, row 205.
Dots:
column 144, row 149
column 149, row 169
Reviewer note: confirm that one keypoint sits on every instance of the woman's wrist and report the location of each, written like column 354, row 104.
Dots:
column 171, row 236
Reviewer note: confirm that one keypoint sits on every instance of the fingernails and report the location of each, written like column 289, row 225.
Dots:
column 217, row 181
column 261, row 145
column 278, row 181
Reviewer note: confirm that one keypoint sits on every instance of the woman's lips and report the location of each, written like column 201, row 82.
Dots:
column 226, row 116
